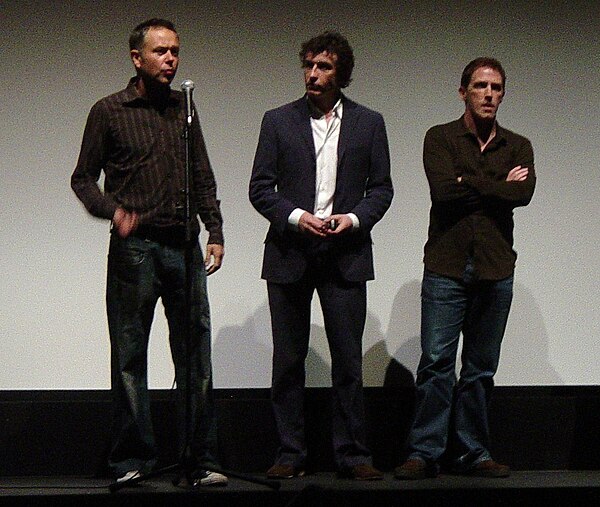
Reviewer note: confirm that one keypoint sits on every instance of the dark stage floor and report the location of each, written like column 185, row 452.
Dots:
column 572, row 488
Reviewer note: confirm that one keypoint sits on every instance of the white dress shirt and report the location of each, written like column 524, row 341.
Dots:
column 326, row 134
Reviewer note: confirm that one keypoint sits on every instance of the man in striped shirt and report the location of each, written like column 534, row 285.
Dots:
column 135, row 137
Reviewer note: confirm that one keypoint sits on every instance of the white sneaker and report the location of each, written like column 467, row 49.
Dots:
column 207, row 478
column 129, row 475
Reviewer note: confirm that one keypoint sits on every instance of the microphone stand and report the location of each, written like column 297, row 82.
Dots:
column 188, row 463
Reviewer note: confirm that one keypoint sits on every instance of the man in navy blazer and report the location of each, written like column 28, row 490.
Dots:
column 321, row 176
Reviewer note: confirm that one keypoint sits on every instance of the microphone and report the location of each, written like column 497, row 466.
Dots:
column 187, row 86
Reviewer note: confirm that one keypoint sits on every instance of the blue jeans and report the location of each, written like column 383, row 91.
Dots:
column 453, row 416
column 140, row 272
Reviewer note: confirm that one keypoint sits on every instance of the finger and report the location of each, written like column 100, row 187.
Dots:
column 217, row 259
column 208, row 263
column 209, row 258
column 517, row 174
column 134, row 223
column 314, row 228
column 130, row 222
column 215, row 266
column 522, row 173
column 123, row 229
column 341, row 229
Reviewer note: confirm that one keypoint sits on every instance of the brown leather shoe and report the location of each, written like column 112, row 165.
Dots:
column 362, row 472
column 414, row 469
column 283, row 471
column 489, row 468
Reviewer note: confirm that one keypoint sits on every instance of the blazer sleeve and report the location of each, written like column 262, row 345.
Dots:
column 263, row 192
column 378, row 189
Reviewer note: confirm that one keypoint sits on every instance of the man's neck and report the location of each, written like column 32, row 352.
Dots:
column 326, row 104
column 484, row 130
column 152, row 91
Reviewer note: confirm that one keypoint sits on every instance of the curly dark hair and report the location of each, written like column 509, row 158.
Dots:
column 483, row 61
column 136, row 39
column 333, row 43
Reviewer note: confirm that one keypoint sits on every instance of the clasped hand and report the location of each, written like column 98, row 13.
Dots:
column 322, row 228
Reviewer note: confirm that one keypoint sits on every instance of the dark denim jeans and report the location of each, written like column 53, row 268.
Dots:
column 453, row 416
column 140, row 272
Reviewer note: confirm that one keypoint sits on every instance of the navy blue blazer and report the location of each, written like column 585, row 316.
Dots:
column 283, row 179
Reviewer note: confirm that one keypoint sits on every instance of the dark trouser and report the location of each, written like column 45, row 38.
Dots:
column 452, row 415
column 140, row 271
column 344, row 312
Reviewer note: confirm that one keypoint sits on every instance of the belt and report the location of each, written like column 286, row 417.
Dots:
column 169, row 236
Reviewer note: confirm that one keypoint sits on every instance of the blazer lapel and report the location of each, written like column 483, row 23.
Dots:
column 303, row 122
column 349, row 118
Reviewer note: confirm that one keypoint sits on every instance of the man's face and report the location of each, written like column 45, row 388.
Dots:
column 158, row 59
column 484, row 94
column 320, row 76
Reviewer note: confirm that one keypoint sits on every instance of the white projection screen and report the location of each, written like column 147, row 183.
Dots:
column 58, row 58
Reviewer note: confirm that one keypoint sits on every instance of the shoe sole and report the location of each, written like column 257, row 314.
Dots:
column 214, row 484
column 129, row 476
column 301, row 473
column 376, row 478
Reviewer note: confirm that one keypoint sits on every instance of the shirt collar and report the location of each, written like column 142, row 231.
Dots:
column 316, row 113
column 131, row 95
column 464, row 131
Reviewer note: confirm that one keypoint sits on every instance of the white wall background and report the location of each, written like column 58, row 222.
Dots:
column 58, row 58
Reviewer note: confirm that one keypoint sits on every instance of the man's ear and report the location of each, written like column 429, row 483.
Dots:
column 462, row 93
column 136, row 58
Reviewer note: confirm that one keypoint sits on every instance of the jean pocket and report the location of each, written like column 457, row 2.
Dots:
column 126, row 258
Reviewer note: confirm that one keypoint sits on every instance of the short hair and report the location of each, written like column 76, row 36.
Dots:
column 478, row 63
column 136, row 39
column 333, row 43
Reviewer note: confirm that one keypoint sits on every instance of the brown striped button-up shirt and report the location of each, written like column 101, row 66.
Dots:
column 141, row 149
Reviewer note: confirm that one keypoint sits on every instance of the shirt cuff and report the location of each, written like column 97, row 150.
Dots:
column 294, row 217
column 355, row 221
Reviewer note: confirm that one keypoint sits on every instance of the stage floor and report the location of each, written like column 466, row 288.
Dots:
column 572, row 488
